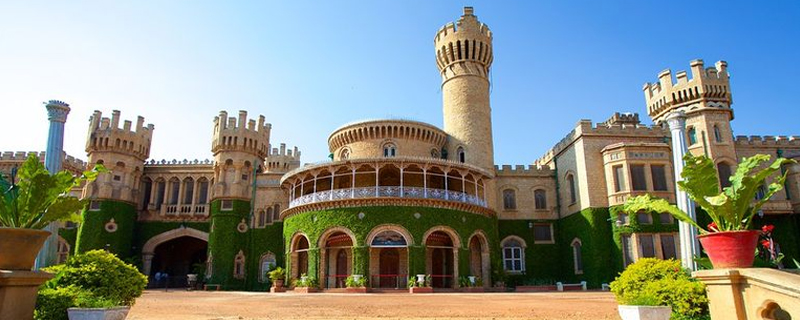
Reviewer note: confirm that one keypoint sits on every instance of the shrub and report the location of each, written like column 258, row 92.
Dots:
column 101, row 273
column 351, row 282
column 277, row 274
column 305, row 281
column 664, row 281
column 52, row 304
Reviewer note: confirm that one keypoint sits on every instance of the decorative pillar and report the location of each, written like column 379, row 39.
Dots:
column 690, row 247
column 57, row 112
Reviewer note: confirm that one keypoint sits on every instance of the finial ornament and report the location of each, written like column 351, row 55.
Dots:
column 57, row 110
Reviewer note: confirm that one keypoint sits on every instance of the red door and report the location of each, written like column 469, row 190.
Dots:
column 389, row 268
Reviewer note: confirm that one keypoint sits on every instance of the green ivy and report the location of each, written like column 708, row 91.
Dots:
column 225, row 241
column 540, row 259
column 70, row 236
column 92, row 233
column 634, row 226
column 593, row 228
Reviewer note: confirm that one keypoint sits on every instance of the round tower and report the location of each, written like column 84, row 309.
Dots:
column 464, row 56
column 108, row 221
column 240, row 147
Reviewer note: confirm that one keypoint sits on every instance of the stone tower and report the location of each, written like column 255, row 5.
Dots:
column 706, row 100
column 239, row 146
column 464, row 56
column 108, row 221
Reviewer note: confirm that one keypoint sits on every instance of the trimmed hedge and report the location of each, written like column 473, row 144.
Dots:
column 92, row 233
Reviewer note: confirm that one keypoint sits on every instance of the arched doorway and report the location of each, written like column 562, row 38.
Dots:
column 299, row 256
column 479, row 265
column 441, row 259
column 337, row 256
column 179, row 257
column 389, row 259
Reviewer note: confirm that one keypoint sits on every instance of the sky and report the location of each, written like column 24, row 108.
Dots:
column 311, row 66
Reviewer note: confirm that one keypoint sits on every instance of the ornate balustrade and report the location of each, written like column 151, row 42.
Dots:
column 184, row 210
column 387, row 192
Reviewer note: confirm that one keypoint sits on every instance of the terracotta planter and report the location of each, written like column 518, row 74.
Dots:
column 356, row 290
column 420, row 290
column 305, row 290
column 19, row 247
column 116, row 313
column 644, row 312
column 278, row 283
column 730, row 249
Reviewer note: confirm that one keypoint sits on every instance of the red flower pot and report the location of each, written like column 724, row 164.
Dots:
column 730, row 249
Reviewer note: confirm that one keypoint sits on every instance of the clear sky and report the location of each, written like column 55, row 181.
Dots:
column 310, row 67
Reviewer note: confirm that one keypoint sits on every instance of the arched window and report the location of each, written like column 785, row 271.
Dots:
column 268, row 216
column 724, row 171
column 717, row 134
column 692, row 135
column 513, row 255
column 435, row 154
column 389, row 150
column 277, row 213
column 260, row 218
column 462, row 157
column 509, row 199
column 577, row 255
column 238, row 265
column 63, row 251
column 345, row 154
column 540, row 199
column 573, row 197
column 267, row 263
column 210, row 262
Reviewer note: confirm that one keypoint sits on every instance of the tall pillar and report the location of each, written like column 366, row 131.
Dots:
column 57, row 112
column 690, row 247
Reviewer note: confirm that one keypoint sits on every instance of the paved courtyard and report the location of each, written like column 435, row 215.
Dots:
column 176, row 305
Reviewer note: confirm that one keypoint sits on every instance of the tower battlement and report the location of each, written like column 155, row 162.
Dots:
column 631, row 119
column 464, row 47
column 105, row 135
column 523, row 170
column 768, row 140
column 708, row 87
column 241, row 134
column 283, row 160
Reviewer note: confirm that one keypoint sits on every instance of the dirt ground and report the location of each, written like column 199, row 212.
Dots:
column 209, row 305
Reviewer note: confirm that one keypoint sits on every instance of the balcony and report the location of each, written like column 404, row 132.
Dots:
column 184, row 210
column 388, row 192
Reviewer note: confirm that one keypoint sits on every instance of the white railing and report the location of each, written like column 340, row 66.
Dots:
column 176, row 210
column 387, row 192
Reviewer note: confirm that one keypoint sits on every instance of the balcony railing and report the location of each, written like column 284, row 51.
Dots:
column 387, row 192
column 184, row 210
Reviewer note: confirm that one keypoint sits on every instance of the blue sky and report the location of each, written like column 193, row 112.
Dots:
column 310, row 67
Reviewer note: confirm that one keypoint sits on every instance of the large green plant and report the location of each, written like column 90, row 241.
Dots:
column 730, row 210
column 101, row 273
column 32, row 198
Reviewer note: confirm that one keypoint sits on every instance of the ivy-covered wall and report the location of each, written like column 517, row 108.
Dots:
column 92, row 233
column 225, row 241
column 314, row 223
column 599, row 255
column 69, row 235
column 541, row 260
column 633, row 226
column 262, row 241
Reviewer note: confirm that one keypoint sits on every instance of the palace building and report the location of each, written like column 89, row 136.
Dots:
column 401, row 198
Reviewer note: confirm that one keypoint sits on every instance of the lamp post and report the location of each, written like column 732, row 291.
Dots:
column 690, row 247
column 57, row 112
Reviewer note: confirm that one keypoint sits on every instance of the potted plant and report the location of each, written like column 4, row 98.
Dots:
column 652, row 289
column 30, row 199
column 470, row 284
column 727, row 240
column 277, row 276
column 356, row 284
column 306, row 284
column 417, row 286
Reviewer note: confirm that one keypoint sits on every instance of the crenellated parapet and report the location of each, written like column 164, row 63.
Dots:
column 105, row 135
column 241, row 134
column 9, row 159
column 625, row 118
column 708, row 88
column 283, row 160
column 369, row 138
column 464, row 47
column 768, row 140
column 523, row 170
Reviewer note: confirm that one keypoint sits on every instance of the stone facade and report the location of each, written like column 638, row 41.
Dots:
column 436, row 193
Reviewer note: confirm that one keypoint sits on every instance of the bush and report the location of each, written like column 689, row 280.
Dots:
column 101, row 273
column 351, row 282
column 665, row 282
column 52, row 304
column 305, row 281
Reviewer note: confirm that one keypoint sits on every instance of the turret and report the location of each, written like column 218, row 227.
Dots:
column 239, row 146
column 708, row 88
column 283, row 160
column 464, row 57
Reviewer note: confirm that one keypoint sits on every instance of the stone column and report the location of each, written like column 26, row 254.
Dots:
column 57, row 112
column 689, row 244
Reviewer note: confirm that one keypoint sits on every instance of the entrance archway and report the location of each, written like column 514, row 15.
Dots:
column 337, row 255
column 299, row 256
column 149, row 248
column 479, row 264
column 177, row 258
column 442, row 257
column 388, row 256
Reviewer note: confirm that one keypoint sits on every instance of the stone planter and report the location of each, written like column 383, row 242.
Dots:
column 116, row 313
column 356, row 290
column 644, row 312
column 19, row 247
column 278, row 283
column 276, row 289
column 730, row 249
column 305, row 290
column 420, row 290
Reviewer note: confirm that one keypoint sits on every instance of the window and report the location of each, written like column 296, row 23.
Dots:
column 717, row 134
column 540, row 199
column 724, row 171
column 345, row 154
column 261, row 218
column 238, row 265
column 761, row 192
column 210, row 262
column 462, row 157
column 543, row 233
column 665, row 218
column 268, row 216
column 161, row 188
column 117, row 177
column 668, row 250
column 638, row 182
column 647, row 246
column 627, row 250
column 389, row 150
column 659, row 177
column 63, row 251
column 692, row 135
column 226, row 205
column 202, row 196
column 577, row 256
column 619, row 178
column 435, row 154
column 571, row 182
column 94, row 205
column 622, row 219
column 644, row 218
column 268, row 262
column 277, row 212
column 513, row 256
column 174, row 189
column 509, row 199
